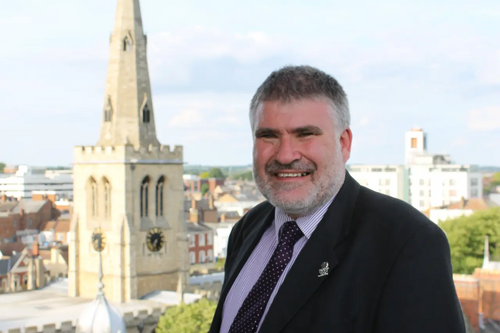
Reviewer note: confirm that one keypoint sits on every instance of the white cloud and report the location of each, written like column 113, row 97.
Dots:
column 486, row 119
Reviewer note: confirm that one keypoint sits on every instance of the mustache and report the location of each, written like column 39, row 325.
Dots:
column 302, row 166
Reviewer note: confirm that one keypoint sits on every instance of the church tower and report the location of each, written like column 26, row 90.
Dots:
column 128, row 189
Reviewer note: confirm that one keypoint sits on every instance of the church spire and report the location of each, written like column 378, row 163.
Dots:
column 127, row 116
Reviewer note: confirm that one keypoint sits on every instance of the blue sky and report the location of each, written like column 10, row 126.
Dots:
column 432, row 64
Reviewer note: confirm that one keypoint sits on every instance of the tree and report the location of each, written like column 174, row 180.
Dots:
column 2, row 166
column 246, row 175
column 193, row 318
column 204, row 189
column 495, row 181
column 204, row 174
column 216, row 173
column 466, row 237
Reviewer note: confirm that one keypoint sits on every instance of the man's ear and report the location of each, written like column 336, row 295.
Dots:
column 345, row 143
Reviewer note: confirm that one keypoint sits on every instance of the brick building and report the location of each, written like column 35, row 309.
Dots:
column 19, row 216
column 200, row 236
column 479, row 295
column 194, row 183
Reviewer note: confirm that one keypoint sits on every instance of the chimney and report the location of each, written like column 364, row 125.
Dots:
column 194, row 203
column 193, row 215
column 223, row 217
column 211, row 202
column 3, row 198
column 36, row 249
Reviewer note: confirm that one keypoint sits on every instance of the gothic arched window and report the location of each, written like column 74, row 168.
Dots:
column 108, row 110
column 93, row 197
column 126, row 44
column 146, row 114
column 144, row 194
column 159, row 196
column 107, row 198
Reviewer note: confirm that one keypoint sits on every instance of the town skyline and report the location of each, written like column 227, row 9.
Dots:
column 441, row 75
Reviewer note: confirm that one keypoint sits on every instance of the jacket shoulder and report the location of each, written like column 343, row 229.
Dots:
column 389, row 216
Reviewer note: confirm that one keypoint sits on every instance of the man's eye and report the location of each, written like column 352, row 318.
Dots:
column 267, row 136
column 305, row 134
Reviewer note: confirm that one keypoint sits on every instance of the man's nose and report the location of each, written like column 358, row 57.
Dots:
column 287, row 151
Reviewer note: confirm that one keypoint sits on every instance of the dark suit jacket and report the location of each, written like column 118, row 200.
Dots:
column 389, row 270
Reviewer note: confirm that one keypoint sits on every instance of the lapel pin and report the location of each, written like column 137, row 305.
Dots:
column 323, row 271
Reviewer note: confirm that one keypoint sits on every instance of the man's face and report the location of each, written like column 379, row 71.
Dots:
column 299, row 156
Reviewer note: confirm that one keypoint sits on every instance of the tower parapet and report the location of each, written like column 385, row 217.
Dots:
column 162, row 154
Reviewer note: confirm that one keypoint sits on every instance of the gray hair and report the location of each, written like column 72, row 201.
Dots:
column 298, row 82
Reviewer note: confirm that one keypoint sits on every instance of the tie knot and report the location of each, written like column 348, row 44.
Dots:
column 290, row 233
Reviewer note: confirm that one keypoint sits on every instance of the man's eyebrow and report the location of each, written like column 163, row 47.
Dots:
column 309, row 128
column 265, row 130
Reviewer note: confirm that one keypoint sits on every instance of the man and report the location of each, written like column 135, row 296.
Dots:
column 325, row 254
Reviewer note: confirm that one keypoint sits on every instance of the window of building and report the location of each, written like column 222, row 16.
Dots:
column 144, row 196
column 30, row 222
column 192, row 257
column 146, row 114
column 107, row 198
column 452, row 182
column 15, row 223
column 159, row 196
column 126, row 44
column 422, row 193
column 202, row 256
column 422, row 203
column 210, row 239
column 60, row 237
column 414, row 142
column 192, row 242
column 201, row 239
column 210, row 255
column 473, row 193
column 473, row 182
column 422, row 182
column 93, row 198
column 384, row 182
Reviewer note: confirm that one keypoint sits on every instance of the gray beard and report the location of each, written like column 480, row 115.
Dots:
column 322, row 191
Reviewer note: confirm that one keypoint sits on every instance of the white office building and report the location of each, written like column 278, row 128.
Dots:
column 426, row 180
column 29, row 179
column 385, row 179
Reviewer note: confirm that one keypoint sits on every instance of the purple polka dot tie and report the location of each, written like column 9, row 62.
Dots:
column 249, row 315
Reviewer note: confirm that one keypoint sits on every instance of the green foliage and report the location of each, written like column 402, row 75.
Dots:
column 220, row 263
column 496, row 177
column 246, row 175
column 466, row 237
column 2, row 166
column 494, row 183
column 216, row 173
column 204, row 174
column 204, row 189
column 192, row 318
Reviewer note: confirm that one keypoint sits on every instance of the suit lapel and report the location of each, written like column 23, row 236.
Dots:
column 303, row 278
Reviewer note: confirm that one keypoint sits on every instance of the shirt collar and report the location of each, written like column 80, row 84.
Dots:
column 307, row 224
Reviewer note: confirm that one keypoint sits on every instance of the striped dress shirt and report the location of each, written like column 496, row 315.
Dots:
column 259, row 258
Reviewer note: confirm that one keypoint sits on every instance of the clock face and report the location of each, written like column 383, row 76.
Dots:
column 98, row 240
column 155, row 239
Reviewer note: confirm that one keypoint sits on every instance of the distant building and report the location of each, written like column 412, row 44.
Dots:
column 193, row 183
column 386, row 179
column 200, row 236
column 26, row 180
column 22, row 271
column 22, row 220
column 426, row 180
column 479, row 294
column 464, row 207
